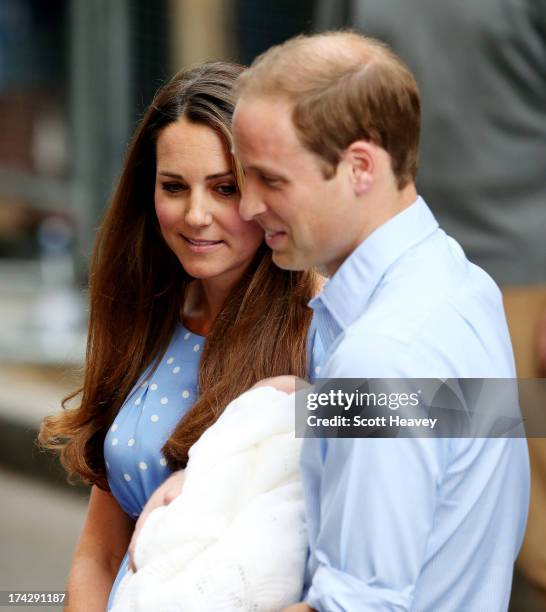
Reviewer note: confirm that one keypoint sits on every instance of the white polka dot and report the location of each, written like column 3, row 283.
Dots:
column 127, row 477
column 137, row 401
column 143, row 466
column 196, row 348
column 154, row 418
column 144, row 384
column 187, row 336
column 107, row 465
column 153, row 386
column 115, row 441
column 170, row 360
column 176, row 370
column 131, row 442
column 317, row 370
column 185, row 394
column 164, row 400
column 163, row 461
column 114, row 427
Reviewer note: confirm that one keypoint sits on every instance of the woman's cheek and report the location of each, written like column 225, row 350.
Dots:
column 166, row 215
column 253, row 232
column 236, row 226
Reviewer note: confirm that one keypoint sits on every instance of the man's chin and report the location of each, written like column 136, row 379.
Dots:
column 286, row 261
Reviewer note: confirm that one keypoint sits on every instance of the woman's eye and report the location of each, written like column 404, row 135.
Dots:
column 173, row 187
column 226, row 189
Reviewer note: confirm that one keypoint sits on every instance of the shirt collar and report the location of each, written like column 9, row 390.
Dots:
column 348, row 292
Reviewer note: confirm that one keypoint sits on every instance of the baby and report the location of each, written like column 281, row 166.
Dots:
column 234, row 538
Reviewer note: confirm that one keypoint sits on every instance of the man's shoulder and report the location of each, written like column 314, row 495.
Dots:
column 432, row 284
column 446, row 320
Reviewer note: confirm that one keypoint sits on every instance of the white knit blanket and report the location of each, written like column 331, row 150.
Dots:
column 234, row 539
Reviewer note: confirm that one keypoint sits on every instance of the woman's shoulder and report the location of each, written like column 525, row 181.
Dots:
column 184, row 346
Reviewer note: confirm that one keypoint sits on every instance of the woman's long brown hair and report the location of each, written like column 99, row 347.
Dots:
column 137, row 286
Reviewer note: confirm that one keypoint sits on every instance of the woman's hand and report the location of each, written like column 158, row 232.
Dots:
column 286, row 383
column 162, row 496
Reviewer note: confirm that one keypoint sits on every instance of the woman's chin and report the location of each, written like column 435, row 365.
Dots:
column 199, row 273
column 217, row 268
column 202, row 271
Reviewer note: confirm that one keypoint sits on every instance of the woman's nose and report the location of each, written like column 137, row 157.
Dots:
column 198, row 213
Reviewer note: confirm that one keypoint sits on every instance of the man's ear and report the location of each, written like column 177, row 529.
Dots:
column 360, row 158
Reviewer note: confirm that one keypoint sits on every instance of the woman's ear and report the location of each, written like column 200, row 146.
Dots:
column 360, row 158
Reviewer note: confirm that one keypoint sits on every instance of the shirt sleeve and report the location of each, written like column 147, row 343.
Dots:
column 377, row 503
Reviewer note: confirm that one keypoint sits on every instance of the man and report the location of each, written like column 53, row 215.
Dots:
column 483, row 160
column 327, row 129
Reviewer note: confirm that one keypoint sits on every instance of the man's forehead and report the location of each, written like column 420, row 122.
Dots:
column 264, row 103
column 264, row 122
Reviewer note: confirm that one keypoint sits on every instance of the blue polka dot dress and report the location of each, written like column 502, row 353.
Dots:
column 132, row 447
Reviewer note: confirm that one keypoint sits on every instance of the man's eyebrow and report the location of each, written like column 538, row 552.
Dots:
column 266, row 171
column 209, row 177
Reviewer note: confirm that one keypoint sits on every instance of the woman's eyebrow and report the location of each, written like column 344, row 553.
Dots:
column 170, row 174
column 209, row 177
column 226, row 173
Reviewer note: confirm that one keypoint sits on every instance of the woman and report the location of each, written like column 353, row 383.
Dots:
column 187, row 312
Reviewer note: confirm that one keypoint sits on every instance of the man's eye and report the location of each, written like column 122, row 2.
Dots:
column 269, row 180
column 226, row 189
column 173, row 187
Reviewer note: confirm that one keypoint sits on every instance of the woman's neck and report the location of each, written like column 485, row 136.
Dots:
column 202, row 304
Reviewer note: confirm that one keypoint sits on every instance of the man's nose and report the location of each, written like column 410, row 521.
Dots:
column 251, row 204
column 197, row 212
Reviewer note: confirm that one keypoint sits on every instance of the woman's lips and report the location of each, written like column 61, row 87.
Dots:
column 202, row 246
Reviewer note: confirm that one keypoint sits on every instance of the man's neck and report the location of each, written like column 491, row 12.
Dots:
column 381, row 209
column 388, row 205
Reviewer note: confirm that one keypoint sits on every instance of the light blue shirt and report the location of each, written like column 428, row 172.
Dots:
column 413, row 523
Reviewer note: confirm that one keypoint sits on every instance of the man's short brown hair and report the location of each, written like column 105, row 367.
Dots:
column 344, row 87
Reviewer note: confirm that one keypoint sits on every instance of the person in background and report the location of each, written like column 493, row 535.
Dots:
column 187, row 312
column 327, row 130
column 480, row 67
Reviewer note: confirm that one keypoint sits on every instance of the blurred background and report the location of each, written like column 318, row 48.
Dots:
column 75, row 76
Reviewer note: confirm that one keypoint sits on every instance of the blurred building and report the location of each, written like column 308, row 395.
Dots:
column 74, row 78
